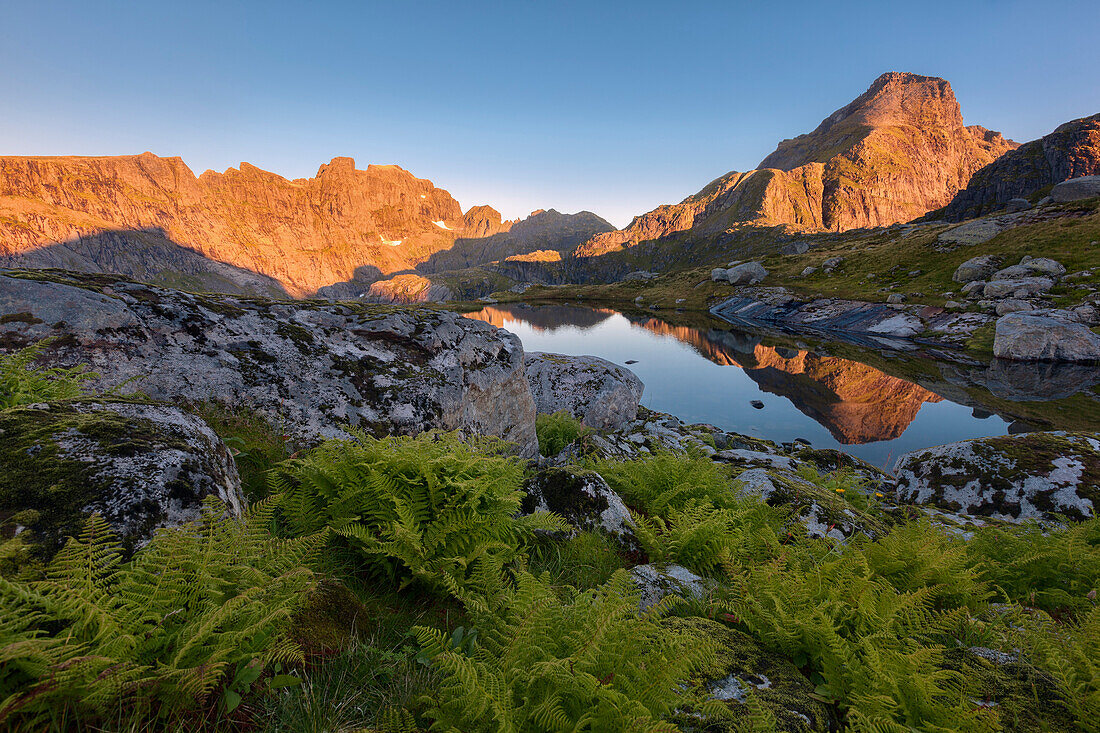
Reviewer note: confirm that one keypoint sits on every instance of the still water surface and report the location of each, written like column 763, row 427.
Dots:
column 713, row 375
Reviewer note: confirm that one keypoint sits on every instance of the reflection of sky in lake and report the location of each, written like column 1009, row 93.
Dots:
column 678, row 380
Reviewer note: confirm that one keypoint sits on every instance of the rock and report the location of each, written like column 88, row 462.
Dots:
column 952, row 305
column 821, row 512
column 916, row 273
column 655, row 584
column 832, row 263
column 718, row 275
column 795, row 248
column 600, row 394
column 311, row 366
column 976, row 268
column 972, row 286
column 734, row 263
column 1025, row 337
column 744, row 665
column 895, row 298
column 1044, row 266
column 1011, row 305
column 749, row 273
column 1017, row 204
column 1004, row 288
column 1014, row 272
column 141, row 466
column 971, row 233
column 757, row 404
column 1075, row 189
column 902, row 325
column 1012, row 478
column 583, row 498
column 809, row 271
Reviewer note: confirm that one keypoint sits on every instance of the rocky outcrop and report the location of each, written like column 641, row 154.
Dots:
column 583, row 499
column 139, row 465
column 597, row 392
column 1036, row 337
column 897, row 152
column 1076, row 189
column 1013, row 478
column 1071, row 151
column 244, row 230
column 404, row 289
column 312, row 366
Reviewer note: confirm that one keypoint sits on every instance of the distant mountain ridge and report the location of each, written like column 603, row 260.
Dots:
column 244, row 230
column 896, row 152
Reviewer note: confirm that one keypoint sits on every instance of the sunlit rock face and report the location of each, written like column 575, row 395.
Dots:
column 895, row 153
column 247, row 230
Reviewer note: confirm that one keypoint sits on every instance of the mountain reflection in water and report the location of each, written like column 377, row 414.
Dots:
column 808, row 391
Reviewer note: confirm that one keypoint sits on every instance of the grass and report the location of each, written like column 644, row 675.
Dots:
column 256, row 444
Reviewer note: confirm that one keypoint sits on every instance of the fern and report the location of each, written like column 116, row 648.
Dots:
column 418, row 509
column 540, row 662
column 21, row 382
column 203, row 604
column 668, row 480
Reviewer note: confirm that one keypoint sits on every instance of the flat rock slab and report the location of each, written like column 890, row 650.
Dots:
column 597, row 392
column 312, row 366
column 141, row 466
column 1075, row 189
column 1012, row 478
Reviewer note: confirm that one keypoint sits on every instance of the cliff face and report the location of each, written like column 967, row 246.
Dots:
column 1071, row 151
column 893, row 154
column 244, row 230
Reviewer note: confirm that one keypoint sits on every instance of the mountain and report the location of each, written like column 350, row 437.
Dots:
column 896, row 152
column 1071, row 151
column 244, row 230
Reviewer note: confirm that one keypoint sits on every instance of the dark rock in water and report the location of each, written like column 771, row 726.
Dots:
column 312, row 366
column 631, row 361
column 757, row 404
column 742, row 667
column 597, row 392
column 1014, row 478
column 141, row 466
column 980, row 414
column 583, row 499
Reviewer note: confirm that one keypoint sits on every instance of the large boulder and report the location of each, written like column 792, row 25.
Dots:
column 976, row 268
column 972, row 232
column 655, row 583
column 597, row 392
column 140, row 465
column 1012, row 478
column 1017, row 287
column 314, row 367
column 1075, row 189
column 1027, row 337
column 583, row 499
column 749, row 273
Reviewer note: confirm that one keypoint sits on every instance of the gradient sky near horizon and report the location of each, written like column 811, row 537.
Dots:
column 611, row 107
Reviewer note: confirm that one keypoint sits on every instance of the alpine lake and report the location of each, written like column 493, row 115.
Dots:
column 875, row 399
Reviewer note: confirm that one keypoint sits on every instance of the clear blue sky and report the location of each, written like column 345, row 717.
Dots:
column 611, row 107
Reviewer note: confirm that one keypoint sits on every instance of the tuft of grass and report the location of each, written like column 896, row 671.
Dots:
column 256, row 444
column 558, row 430
column 583, row 562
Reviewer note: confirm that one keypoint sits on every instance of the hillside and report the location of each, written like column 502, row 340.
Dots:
column 896, row 152
column 244, row 230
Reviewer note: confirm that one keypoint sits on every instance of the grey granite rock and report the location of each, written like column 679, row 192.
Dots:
column 597, row 392
column 1075, row 189
column 1028, row 337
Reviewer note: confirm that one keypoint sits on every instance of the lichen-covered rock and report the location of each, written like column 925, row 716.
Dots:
column 746, row 274
column 314, row 367
column 1011, row 478
column 1027, row 698
column 744, row 667
column 141, row 466
column 1075, row 189
column 976, row 268
column 1017, row 285
column 597, row 392
column 583, row 498
column 1029, row 337
column 656, row 583
column 823, row 511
